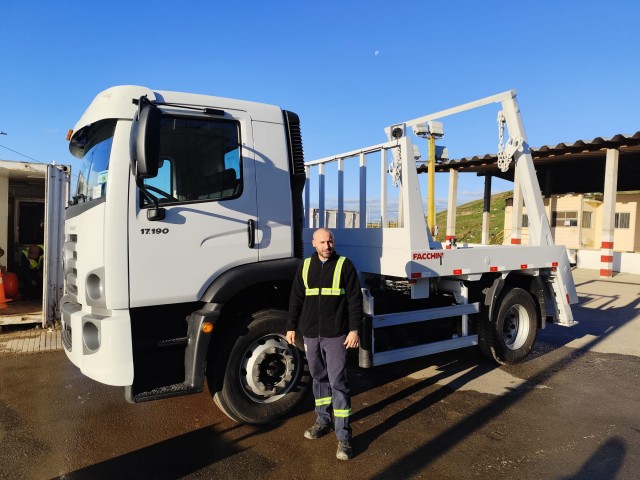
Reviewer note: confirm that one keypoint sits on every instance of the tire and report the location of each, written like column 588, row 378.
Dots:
column 264, row 377
column 509, row 337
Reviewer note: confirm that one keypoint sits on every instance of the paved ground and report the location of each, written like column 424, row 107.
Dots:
column 29, row 340
column 572, row 411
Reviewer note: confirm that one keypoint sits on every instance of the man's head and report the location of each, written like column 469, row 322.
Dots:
column 34, row 252
column 323, row 243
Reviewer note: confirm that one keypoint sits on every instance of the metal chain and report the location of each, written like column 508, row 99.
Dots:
column 395, row 168
column 501, row 121
column 504, row 158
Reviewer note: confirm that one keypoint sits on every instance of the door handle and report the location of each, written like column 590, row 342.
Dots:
column 251, row 231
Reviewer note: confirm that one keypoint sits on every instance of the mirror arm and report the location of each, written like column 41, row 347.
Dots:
column 153, row 214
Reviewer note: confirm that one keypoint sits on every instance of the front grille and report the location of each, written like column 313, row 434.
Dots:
column 66, row 336
column 70, row 260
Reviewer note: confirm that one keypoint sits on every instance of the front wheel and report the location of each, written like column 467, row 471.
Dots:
column 264, row 377
column 510, row 337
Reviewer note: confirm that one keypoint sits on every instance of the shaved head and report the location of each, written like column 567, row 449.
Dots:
column 323, row 242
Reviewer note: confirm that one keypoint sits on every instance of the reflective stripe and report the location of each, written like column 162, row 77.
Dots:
column 305, row 273
column 323, row 401
column 342, row 413
column 331, row 291
column 335, row 289
column 336, row 276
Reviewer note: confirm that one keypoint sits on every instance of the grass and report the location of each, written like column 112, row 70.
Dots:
column 469, row 221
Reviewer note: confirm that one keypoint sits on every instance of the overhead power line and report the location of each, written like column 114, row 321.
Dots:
column 26, row 156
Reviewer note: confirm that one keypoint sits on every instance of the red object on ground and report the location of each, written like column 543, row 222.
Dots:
column 3, row 299
column 11, row 284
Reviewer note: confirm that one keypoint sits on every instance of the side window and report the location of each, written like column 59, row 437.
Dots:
column 622, row 220
column 201, row 161
column 564, row 219
column 163, row 182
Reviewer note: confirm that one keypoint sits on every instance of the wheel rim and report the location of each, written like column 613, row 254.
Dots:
column 269, row 368
column 515, row 327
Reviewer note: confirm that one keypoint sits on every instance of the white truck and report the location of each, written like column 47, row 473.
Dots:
column 189, row 224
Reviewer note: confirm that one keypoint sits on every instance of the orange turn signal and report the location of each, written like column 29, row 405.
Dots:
column 69, row 135
column 207, row 327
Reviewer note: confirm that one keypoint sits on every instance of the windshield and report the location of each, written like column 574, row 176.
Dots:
column 93, row 145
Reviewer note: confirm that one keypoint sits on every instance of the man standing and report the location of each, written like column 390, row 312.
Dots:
column 326, row 306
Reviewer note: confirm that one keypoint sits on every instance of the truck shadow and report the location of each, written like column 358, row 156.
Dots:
column 173, row 458
column 605, row 462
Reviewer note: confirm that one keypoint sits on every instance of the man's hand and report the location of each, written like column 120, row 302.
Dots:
column 353, row 340
column 291, row 336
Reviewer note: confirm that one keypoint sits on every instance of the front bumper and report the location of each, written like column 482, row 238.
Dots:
column 98, row 344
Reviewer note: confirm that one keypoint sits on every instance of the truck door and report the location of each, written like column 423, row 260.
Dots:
column 56, row 198
column 206, row 184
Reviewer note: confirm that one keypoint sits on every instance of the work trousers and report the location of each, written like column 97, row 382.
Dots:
column 327, row 359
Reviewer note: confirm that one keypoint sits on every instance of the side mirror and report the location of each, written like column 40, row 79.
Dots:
column 144, row 150
column 145, row 140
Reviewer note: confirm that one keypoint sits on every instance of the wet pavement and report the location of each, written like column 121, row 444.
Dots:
column 572, row 411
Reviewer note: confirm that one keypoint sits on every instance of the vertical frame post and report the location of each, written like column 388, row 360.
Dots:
column 321, row 222
column 383, row 188
column 363, row 190
column 340, row 219
column 308, row 221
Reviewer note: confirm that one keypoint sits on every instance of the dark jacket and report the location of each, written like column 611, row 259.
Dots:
column 325, row 315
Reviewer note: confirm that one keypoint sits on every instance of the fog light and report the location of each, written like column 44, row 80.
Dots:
column 91, row 336
column 94, row 287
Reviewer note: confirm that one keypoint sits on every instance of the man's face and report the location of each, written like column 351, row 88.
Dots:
column 323, row 243
column 34, row 252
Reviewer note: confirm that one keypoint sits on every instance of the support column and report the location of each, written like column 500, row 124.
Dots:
column 516, row 212
column 486, row 211
column 609, row 206
column 451, row 209
column 431, row 185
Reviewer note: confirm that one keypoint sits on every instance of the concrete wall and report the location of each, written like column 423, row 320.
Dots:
column 622, row 261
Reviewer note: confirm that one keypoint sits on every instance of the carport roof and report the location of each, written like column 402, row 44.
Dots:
column 577, row 167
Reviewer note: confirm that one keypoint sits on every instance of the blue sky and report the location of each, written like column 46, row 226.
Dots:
column 348, row 68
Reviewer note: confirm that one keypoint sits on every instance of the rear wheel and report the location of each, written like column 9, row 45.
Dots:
column 510, row 336
column 264, row 377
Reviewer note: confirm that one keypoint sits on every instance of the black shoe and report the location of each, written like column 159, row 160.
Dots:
column 345, row 452
column 317, row 430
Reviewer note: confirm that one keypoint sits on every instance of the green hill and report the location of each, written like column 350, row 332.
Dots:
column 469, row 220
